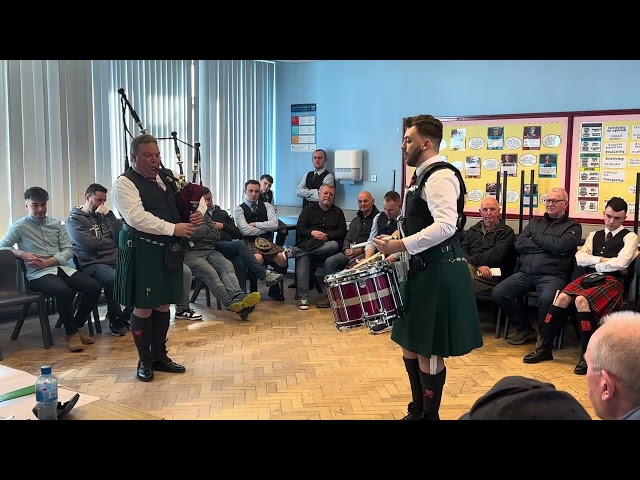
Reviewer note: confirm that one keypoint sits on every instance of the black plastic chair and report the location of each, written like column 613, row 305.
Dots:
column 199, row 285
column 14, row 291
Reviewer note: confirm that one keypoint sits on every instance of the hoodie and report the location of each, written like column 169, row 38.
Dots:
column 94, row 237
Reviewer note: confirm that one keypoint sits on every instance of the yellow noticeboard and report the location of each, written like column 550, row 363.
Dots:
column 484, row 148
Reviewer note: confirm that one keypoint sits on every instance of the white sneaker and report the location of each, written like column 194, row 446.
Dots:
column 303, row 304
column 188, row 314
column 272, row 278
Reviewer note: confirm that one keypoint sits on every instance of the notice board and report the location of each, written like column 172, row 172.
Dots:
column 483, row 147
column 605, row 162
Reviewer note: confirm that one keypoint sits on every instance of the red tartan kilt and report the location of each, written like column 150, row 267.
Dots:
column 603, row 299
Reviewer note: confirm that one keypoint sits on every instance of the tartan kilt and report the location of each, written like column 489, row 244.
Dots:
column 604, row 298
column 440, row 315
column 142, row 278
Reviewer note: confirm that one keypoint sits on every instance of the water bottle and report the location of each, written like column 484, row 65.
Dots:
column 47, row 394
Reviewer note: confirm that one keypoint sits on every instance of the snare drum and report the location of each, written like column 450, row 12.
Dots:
column 368, row 296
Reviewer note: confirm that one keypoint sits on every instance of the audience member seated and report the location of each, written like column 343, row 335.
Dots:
column 266, row 196
column 258, row 220
column 320, row 231
column 94, row 229
column 235, row 249
column 547, row 246
column 522, row 398
column 43, row 244
column 385, row 223
column 613, row 367
column 217, row 273
column 489, row 244
column 359, row 231
column 606, row 253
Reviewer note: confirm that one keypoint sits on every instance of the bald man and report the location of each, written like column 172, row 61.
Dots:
column 613, row 367
column 359, row 230
column 489, row 244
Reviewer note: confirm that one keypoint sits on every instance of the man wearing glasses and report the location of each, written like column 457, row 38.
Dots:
column 547, row 246
column 610, row 252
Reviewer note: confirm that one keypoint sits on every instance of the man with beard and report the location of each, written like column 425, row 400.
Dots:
column 440, row 317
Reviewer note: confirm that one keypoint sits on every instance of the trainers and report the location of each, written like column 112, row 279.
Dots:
column 250, row 300
column 84, row 338
column 245, row 312
column 323, row 304
column 380, row 328
column 75, row 343
column 272, row 278
column 116, row 327
column 303, row 304
column 188, row 314
column 523, row 337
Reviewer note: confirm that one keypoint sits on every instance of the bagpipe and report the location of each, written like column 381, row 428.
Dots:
column 188, row 194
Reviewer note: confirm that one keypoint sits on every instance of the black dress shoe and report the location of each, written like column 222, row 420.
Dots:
column 581, row 367
column 168, row 365
column 144, row 373
column 540, row 354
column 276, row 293
column 413, row 413
column 292, row 285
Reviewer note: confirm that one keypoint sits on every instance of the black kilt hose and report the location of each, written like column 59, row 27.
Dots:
column 441, row 315
column 142, row 278
column 604, row 298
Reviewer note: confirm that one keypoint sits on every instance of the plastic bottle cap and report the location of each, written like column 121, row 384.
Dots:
column 45, row 370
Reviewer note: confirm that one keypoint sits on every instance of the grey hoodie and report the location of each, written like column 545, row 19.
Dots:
column 94, row 237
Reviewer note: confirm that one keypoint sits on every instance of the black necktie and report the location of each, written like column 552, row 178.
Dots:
column 414, row 179
column 254, row 207
column 609, row 237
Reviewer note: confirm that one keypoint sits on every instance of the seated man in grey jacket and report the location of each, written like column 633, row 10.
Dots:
column 547, row 247
column 218, row 273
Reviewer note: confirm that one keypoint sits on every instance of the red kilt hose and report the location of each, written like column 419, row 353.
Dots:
column 604, row 298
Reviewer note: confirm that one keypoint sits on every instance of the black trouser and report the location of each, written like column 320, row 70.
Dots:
column 64, row 288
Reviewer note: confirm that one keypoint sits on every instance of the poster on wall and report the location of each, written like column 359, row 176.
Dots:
column 303, row 127
column 605, row 162
column 485, row 148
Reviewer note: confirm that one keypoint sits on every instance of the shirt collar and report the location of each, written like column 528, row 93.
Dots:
column 613, row 232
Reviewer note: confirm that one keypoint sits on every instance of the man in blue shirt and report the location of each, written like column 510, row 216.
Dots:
column 44, row 246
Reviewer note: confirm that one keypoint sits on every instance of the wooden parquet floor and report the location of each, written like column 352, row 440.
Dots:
column 282, row 364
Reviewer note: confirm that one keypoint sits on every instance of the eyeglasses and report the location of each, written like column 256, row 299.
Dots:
column 553, row 201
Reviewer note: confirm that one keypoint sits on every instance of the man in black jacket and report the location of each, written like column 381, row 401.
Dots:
column 235, row 249
column 547, row 247
column 487, row 245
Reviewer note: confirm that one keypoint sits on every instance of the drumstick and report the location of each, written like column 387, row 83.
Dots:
column 368, row 260
column 384, row 239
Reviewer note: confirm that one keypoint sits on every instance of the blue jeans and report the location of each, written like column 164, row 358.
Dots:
column 303, row 259
column 239, row 254
column 217, row 273
column 506, row 293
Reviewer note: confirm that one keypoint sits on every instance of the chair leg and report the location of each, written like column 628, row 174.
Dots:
column 506, row 327
column 20, row 322
column 196, row 290
column 44, row 320
column 96, row 320
column 498, row 321
column 208, row 295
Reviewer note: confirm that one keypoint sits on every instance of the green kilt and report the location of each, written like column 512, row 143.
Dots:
column 142, row 278
column 440, row 315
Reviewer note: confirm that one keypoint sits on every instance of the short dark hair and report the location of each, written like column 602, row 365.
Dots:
column 95, row 187
column 392, row 196
column 320, row 150
column 36, row 193
column 144, row 138
column 205, row 191
column 267, row 177
column 427, row 126
column 251, row 182
column 617, row 204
